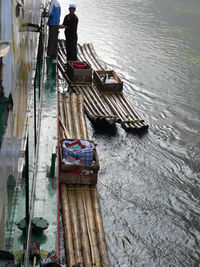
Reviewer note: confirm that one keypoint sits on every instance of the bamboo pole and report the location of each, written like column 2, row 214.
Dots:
column 89, row 109
column 96, row 101
column 90, row 57
column 91, row 227
column 65, row 112
column 62, row 52
column 84, row 54
column 92, row 104
column 113, row 108
column 75, row 115
column 99, row 229
column 90, row 100
column 84, row 132
column 126, row 102
column 69, row 115
column 96, row 93
column 61, row 57
column 81, row 58
column 63, row 47
column 75, row 225
column 62, row 117
column 127, row 121
column 69, row 249
column 83, row 229
column 99, row 62
column 61, row 131
column 119, row 107
column 66, row 132
column 120, row 113
column 132, row 115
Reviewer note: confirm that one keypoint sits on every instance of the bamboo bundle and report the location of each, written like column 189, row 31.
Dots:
column 79, row 54
column 62, row 47
column 134, row 120
column 90, row 94
column 90, row 56
column 62, row 135
column 75, row 226
column 89, row 109
column 113, row 108
column 95, row 109
column 61, row 60
column 117, row 104
column 75, row 116
column 69, row 117
column 91, row 227
column 118, row 109
column 84, row 55
column 91, row 101
column 69, row 249
column 129, row 107
column 85, row 240
column 101, row 65
column 99, row 229
column 84, row 133
column 61, row 68
column 99, row 99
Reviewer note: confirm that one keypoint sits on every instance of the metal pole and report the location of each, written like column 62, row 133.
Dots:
column 35, row 119
column 27, row 185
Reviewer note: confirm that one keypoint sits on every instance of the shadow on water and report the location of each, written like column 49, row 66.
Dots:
column 102, row 128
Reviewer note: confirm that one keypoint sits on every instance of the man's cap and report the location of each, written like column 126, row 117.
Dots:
column 72, row 6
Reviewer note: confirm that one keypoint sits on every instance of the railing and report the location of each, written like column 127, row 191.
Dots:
column 37, row 141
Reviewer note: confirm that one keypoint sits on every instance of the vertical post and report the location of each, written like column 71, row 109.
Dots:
column 27, row 185
column 40, row 53
column 35, row 121
column 1, row 88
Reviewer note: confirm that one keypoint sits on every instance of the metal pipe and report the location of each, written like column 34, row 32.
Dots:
column 27, row 186
column 35, row 116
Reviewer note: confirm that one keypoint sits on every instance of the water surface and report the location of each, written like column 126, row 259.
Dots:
column 149, row 185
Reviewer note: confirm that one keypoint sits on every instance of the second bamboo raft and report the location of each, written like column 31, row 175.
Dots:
column 102, row 106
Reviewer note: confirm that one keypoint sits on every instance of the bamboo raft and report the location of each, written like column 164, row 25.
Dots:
column 96, row 108
column 82, row 221
column 104, row 106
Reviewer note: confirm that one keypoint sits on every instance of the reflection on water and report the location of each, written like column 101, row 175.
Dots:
column 149, row 186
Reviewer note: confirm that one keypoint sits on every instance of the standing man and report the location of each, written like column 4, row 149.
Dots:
column 71, row 23
column 54, row 20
